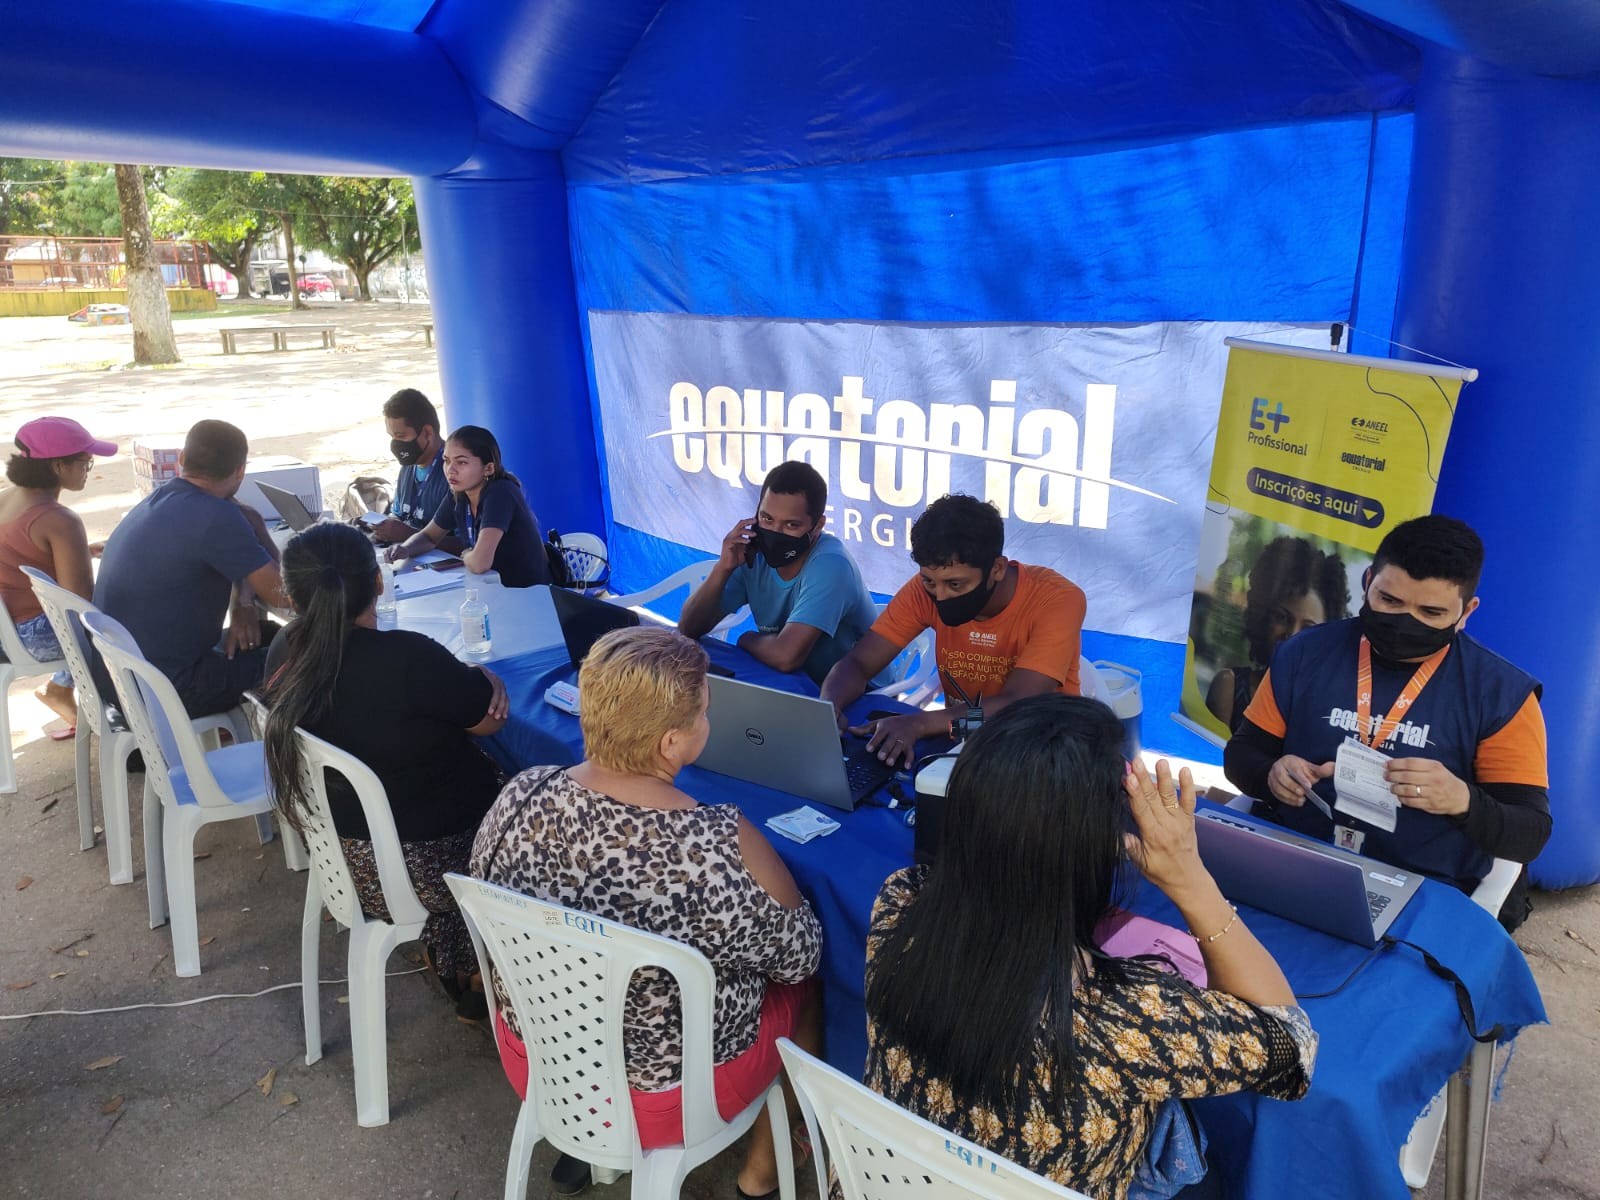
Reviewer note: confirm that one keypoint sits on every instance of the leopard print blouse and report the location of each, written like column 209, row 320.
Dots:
column 1143, row 1037
column 677, row 874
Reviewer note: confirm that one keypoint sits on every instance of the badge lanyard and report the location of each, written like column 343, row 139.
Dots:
column 469, row 524
column 1403, row 702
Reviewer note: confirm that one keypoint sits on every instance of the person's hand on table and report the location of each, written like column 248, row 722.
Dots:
column 397, row 553
column 894, row 739
column 1165, row 849
column 499, row 701
column 1426, row 784
column 391, row 529
column 1291, row 777
column 244, row 630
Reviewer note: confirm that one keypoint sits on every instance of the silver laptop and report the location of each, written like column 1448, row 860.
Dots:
column 1307, row 881
column 787, row 742
column 290, row 507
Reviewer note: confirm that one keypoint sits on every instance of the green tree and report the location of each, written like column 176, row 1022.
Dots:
column 148, row 311
column 84, row 204
column 363, row 223
column 292, row 199
column 230, row 211
column 24, row 184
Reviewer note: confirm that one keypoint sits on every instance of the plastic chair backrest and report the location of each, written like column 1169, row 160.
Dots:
column 63, row 608
column 914, row 672
column 16, row 653
column 567, row 974
column 154, row 712
column 317, row 758
column 882, row 1152
column 586, row 559
column 690, row 577
column 1090, row 685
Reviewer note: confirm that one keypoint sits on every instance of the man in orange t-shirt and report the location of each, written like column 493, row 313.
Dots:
column 1002, row 630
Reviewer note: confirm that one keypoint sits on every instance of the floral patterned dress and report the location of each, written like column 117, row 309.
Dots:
column 1143, row 1037
column 678, row 874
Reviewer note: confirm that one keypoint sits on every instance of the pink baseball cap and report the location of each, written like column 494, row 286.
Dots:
column 59, row 437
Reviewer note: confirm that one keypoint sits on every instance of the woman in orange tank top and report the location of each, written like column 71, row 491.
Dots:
column 37, row 530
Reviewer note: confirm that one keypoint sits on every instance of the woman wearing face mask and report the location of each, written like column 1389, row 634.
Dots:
column 1459, row 728
column 804, row 591
column 487, row 511
column 1002, row 629
column 37, row 530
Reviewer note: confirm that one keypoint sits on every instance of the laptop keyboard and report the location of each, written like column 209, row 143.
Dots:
column 1377, row 902
column 864, row 772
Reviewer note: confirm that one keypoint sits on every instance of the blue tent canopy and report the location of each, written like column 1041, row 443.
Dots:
column 1420, row 169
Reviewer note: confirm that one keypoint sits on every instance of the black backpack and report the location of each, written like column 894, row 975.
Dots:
column 570, row 567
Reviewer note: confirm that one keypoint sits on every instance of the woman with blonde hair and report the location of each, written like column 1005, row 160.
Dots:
column 615, row 837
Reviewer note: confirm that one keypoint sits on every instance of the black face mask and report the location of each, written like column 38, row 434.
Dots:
column 958, row 610
column 781, row 549
column 1400, row 636
column 407, row 454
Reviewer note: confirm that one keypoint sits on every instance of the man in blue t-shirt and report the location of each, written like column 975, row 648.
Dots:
column 416, row 440
column 804, row 591
column 187, row 556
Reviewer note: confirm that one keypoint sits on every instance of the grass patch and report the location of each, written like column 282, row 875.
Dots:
column 233, row 308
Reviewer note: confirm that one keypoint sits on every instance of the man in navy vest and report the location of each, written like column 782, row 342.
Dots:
column 1459, row 728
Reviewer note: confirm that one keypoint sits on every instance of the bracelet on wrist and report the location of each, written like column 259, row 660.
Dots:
column 1209, row 938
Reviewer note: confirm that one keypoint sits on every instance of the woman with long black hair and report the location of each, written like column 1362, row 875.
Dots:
column 403, row 705
column 991, row 1010
column 487, row 511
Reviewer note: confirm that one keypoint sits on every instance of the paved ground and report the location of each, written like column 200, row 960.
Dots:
column 180, row 1114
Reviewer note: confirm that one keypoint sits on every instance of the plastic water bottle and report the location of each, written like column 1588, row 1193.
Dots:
column 475, row 625
column 386, row 598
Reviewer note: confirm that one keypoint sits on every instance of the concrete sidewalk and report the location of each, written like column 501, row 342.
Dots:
column 179, row 1113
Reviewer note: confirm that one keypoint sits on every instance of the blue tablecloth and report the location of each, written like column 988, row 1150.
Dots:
column 1391, row 1036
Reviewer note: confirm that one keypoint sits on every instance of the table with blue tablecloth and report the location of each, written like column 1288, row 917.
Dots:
column 1392, row 1031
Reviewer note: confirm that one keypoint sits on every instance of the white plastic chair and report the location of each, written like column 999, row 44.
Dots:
column 19, row 664
column 186, row 785
column 1416, row 1156
column 882, row 1152
column 690, row 577
column 98, row 719
column 1090, row 683
column 586, row 559
column 914, row 671
column 567, row 974
column 329, row 885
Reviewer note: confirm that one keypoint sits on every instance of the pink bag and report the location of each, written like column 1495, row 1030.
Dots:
column 1127, row 935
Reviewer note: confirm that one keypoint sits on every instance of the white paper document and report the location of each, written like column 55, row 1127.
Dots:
column 802, row 824
column 1362, row 790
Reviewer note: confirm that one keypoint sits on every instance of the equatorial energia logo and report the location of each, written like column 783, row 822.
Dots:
column 1042, row 466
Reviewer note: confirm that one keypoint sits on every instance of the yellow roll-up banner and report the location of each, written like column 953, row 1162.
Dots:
column 1317, row 456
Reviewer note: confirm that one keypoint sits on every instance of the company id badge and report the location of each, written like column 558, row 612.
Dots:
column 1359, row 784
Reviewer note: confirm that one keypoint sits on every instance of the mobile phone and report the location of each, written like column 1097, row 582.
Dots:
column 752, row 547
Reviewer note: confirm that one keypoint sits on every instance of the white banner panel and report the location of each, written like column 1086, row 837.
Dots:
column 1093, row 441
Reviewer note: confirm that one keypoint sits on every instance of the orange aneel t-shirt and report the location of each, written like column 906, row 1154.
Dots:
column 1040, row 630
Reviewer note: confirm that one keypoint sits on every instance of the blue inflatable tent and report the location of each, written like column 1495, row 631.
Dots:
column 1423, row 170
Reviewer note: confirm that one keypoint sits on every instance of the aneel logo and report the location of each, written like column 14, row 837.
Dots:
column 1044, row 466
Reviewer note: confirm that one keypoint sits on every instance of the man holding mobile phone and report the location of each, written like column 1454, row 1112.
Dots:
column 804, row 591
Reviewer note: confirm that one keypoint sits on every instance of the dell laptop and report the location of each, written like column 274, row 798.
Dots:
column 787, row 742
column 290, row 507
column 585, row 620
column 1308, row 882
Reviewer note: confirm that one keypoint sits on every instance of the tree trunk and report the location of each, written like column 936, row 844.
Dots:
column 247, row 247
column 288, row 252
column 148, row 310
column 363, row 281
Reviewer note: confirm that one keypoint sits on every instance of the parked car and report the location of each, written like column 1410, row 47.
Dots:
column 316, row 285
